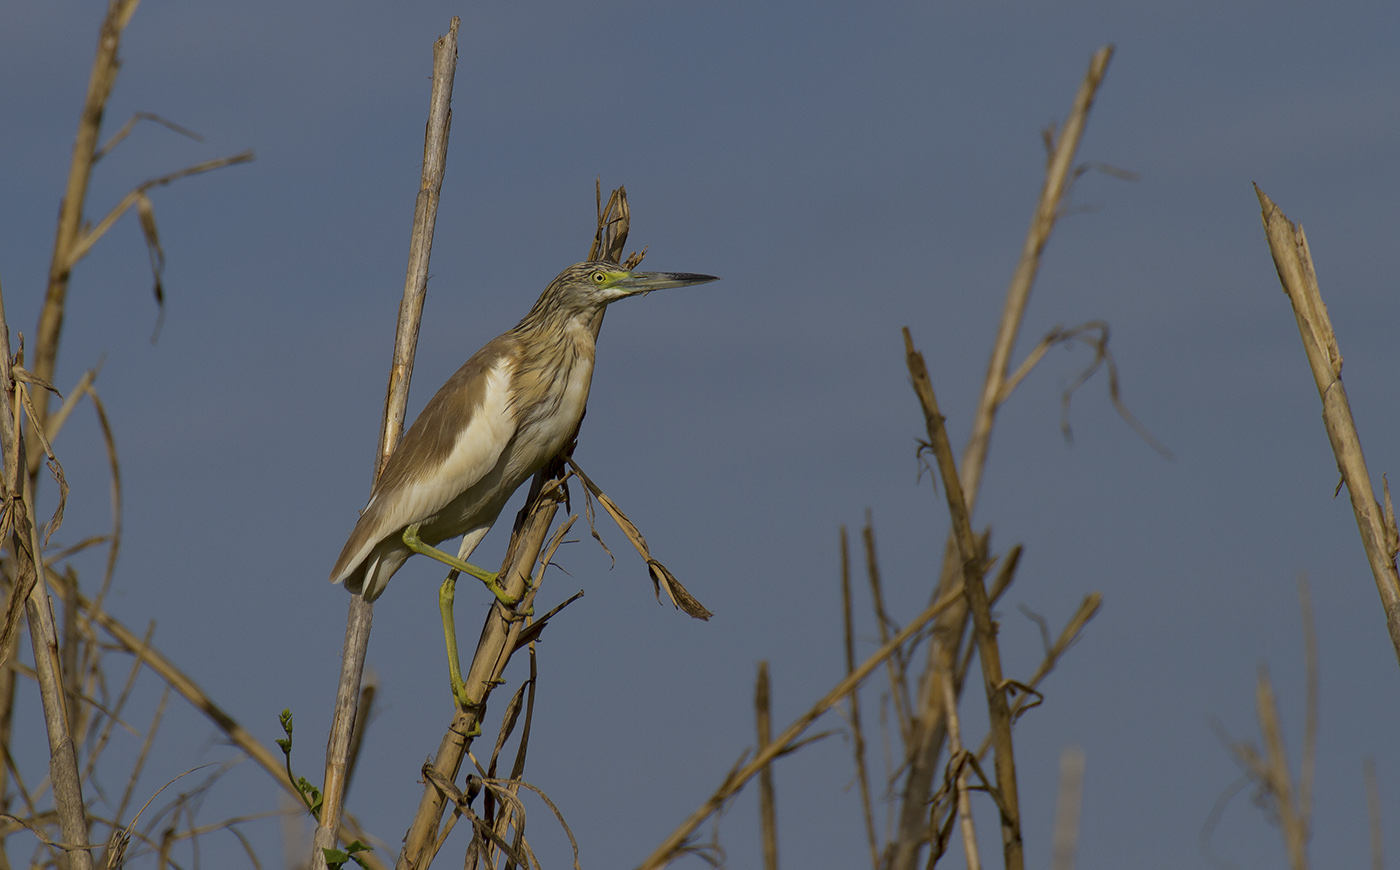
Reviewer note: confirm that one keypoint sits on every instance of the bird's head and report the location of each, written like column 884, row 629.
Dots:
column 591, row 285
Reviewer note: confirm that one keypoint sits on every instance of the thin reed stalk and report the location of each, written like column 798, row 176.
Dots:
column 959, row 763
column 899, row 679
column 767, row 809
column 361, row 613
column 74, row 238
column 857, row 731
column 988, row 652
column 70, row 216
column 926, row 749
column 1290, row 805
column 1289, row 247
column 68, row 656
column 1273, row 770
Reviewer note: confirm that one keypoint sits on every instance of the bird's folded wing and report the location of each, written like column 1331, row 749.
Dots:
column 452, row 445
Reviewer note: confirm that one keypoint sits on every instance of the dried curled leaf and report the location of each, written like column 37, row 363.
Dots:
column 131, row 125
column 15, row 604
column 28, row 377
column 54, row 468
column 593, row 526
column 661, row 577
column 1094, row 334
column 531, row 632
column 147, row 214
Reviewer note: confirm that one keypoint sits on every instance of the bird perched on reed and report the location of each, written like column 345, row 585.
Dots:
column 506, row 412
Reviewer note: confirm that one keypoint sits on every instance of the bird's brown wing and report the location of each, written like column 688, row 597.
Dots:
column 452, row 445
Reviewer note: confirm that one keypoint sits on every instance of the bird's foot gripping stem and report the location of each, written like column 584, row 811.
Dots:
column 490, row 578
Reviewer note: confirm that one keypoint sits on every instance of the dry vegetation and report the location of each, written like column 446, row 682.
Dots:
column 86, row 663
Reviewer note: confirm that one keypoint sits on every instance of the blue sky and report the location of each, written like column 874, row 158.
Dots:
column 847, row 171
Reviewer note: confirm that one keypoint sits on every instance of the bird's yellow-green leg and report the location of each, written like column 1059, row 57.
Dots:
column 414, row 543
column 446, row 595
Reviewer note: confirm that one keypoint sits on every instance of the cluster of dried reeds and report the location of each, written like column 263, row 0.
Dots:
column 925, row 704
column 87, row 664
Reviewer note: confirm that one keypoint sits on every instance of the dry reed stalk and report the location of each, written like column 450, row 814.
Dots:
column 27, row 550
column 988, row 653
column 1067, row 806
column 1273, row 773
column 922, row 766
column 116, row 843
column 147, row 742
column 68, row 654
column 1292, row 807
column 361, row 612
column 857, row 732
column 898, row 667
column 767, row 811
column 930, row 725
column 187, row 688
column 136, row 198
column 1057, row 180
column 959, row 763
column 1289, row 247
column 926, row 737
column 364, row 709
column 1005, row 575
column 8, row 680
column 70, row 217
column 674, row 844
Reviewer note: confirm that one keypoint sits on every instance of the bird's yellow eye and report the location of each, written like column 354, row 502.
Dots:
column 599, row 277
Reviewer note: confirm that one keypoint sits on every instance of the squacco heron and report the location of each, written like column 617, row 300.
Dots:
column 507, row 411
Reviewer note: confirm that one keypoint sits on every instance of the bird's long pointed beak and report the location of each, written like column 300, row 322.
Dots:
column 645, row 282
